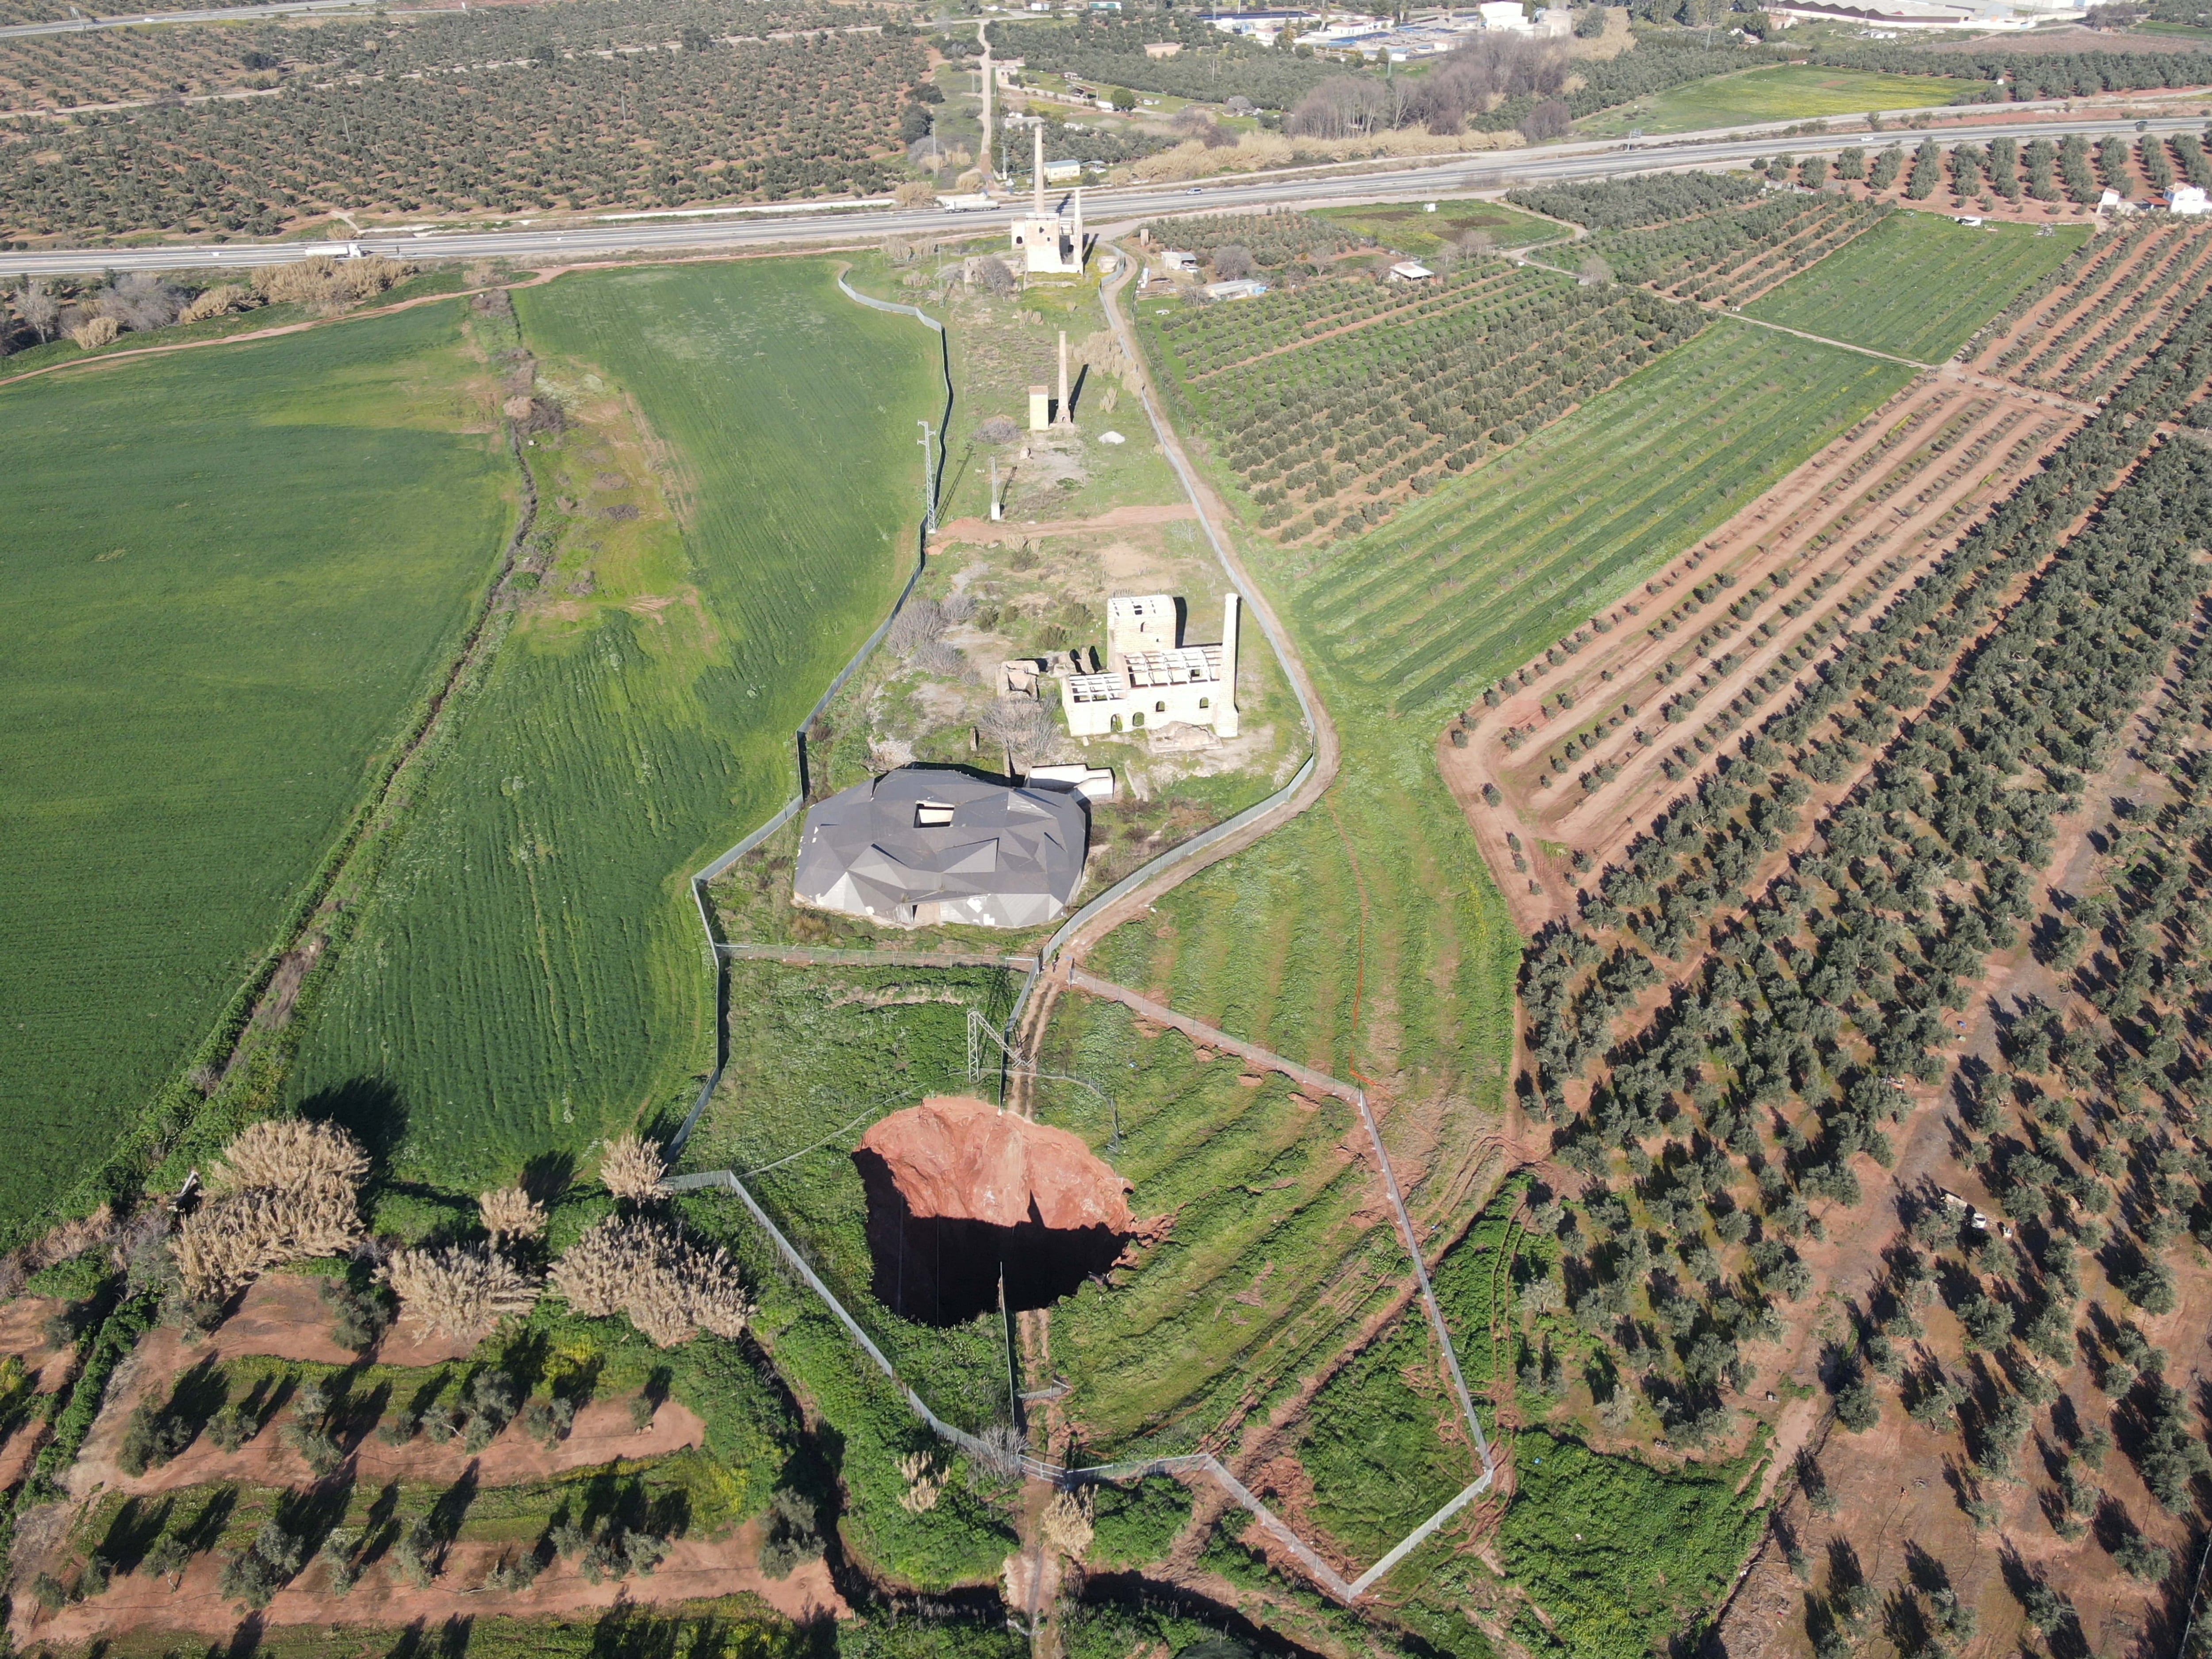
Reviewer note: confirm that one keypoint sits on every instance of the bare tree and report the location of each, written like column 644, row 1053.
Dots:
column 1548, row 120
column 1232, row 261
column 1022, row 727
column 1595, row 273
column 40, row 311
column 919, row 622
column 139, row 302
column 1342, row 107
column 1490, row 66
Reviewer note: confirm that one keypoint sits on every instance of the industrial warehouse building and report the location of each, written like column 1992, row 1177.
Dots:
column 924, row 846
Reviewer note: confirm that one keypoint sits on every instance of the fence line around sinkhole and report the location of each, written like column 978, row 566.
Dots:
column 719, row 953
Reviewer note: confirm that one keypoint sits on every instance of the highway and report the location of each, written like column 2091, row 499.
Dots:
column 585, row 238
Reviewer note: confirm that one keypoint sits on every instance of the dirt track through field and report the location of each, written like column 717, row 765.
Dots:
column 1119, row 518
column 693, row 1569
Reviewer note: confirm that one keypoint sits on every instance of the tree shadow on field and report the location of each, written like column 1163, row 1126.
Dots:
column 369, row 1109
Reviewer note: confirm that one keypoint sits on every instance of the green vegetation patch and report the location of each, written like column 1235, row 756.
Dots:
column 230, row 575
column 1135, row 1525
column 1620, row 1556
column 728, row 514
column 1918, row 285
column 729, row 1627
column 1784, row 93
column 1490, row 572
column 1385, row 1444
column 1410, row 229
column 817, row 1056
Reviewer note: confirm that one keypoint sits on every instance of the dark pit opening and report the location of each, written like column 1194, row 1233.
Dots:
column 944, row 1270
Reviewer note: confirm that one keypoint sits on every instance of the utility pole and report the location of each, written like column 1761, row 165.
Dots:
column 928, row 481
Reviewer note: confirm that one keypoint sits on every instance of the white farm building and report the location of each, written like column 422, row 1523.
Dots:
column 1151, row 679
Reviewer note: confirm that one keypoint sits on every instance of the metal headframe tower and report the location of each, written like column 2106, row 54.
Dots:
column 980, row 1027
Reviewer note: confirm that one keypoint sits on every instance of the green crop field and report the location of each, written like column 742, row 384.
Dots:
column 1788, row 92
column 229, row 575
column 1410, row 229
column 1918, row 284
column 1485, row 575
column 730, row 512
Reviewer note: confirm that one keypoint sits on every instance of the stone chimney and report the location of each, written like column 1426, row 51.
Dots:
column 1066, row 415
column 987, row 131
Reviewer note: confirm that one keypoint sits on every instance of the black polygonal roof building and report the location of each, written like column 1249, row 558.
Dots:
column 924, row 846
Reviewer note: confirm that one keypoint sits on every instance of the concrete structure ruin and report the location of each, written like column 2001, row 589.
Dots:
column 1151, row 679
column 922, row 847
column 1048, row 244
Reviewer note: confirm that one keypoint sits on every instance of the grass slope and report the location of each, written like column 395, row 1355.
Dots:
column 1266, row 1262
column 529, row 977
column 1789, row 91
column 228, row 575
column 1424, row 613
column 1384, row 1442
column 1918, row 284
column 816, row 1056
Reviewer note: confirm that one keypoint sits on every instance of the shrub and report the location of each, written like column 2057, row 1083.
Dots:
column 96, row 333
column 1858, row 1409
column 510, row 1212
column 271, row 1562
column 463, row 1290
column 285, row 1191
column 667, row 1285
column 218, row 302
column 794, row 1535
column 358, row 1317
column 632, row 1169
column 323, row 281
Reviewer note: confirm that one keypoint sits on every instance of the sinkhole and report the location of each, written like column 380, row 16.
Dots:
column 960, row 1193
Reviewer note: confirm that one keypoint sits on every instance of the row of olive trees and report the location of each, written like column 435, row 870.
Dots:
column 787, row 117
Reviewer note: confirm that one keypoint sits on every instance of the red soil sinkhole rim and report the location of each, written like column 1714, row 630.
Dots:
column 964, row 1198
